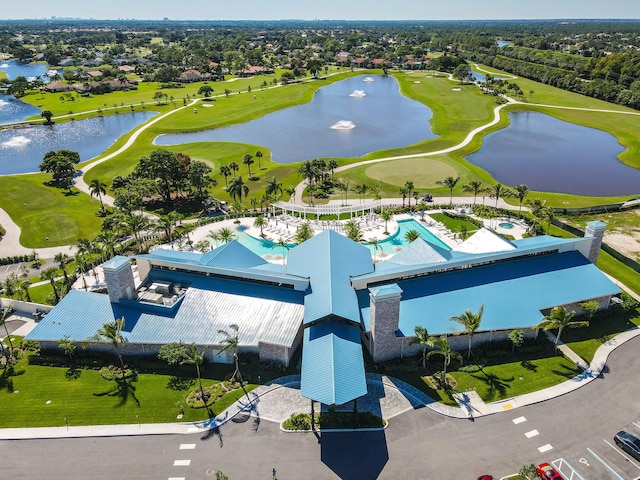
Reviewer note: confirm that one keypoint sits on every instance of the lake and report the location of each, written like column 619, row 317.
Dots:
column 13, row 110
column 349, row 118
column 30, row 71
column 22, row 149
column 550, row 155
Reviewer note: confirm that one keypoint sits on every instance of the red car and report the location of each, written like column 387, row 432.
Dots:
column 485, row 477
column 547, row 472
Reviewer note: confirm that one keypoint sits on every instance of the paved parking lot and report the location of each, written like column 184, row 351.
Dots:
column 602, row 460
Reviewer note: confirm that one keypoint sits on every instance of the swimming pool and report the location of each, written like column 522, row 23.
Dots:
column 390, row 245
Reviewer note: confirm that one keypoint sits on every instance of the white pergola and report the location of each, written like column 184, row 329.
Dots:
column 328, row 209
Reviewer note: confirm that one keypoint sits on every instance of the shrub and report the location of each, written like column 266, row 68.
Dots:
column 470, row 368
column 297, row 421
column 115, row 373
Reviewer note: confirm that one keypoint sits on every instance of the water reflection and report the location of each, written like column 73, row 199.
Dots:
column 13, row 110
column 550, row 155
column 30, row 71
column 22, row 149
column 349, row 118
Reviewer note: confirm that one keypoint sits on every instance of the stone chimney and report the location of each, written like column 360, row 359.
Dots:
column 384, row 315
column 119, row 278
column 595, row 230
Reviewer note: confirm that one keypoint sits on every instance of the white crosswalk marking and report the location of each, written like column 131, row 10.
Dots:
column 187, row 446
column 176, row 478
column 519, row 420
column 532, row 433
column 545, row 448
column 181, row 463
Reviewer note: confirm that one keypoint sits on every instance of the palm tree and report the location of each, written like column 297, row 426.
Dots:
column 81, row 268
column 475, row 187
column 230, row 343
column 521, row 191
column 354, row 232
column 237, row 188
column 332, row 165
column 450, row 183
column 376, row 245
column 97, row 189
column 560, row 319
column 62, row 259
column 234, row 167
column 225, row 235
column 444, row 349
column 411, row 235
column 111, row 332
column 168, row 225
column 192, row 355
column 548, row 215
column 108, row 239
column 423, row 339
column 307, row 170
column 260, row 222
column 361, row 190
column 404, row 191
column 499, row 191
column 470, row 322
column 273, row 187
column 291, row 191
column 226, row 171
column 344, row 187
column 303, row 233
column 386, row 216
column 3, row 320
column 215, row 236
column 259, row 157
column 248, row 161
column 537, row 207
column 134, row 225
column 282, row 243
column 311, row 189
column 410, row 187
column 24, row 286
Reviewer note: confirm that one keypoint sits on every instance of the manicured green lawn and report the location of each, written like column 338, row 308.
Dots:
column 585, row 341
column 35, row 396
column 42, row 211
column 453, row 224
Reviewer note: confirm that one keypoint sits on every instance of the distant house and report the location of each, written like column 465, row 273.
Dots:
column 67, row 62
column 342, row 58
column 380, row 62
column 256, row 70
column 360, row 62
column 58, row 86
column 191, row 76
column 94, row 73
column 127, row 68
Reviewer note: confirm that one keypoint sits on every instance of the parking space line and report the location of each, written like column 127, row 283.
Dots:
column 176, row 478
column 622, row 454
column 573, row 470
column 636, row 424
column 519, row 420
column 187, row 446
column 545, row 448
column 181, row 463
column 532, row 433
column 604, row 463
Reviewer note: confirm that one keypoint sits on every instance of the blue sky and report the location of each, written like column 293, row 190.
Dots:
column 322, row 9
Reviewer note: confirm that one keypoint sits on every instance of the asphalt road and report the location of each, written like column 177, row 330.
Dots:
column 575, row 430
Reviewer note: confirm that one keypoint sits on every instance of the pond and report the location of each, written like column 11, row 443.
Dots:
column 30, row 71
column 22, row 149
column 551, row 155
column 13, row 110
column 349, row 118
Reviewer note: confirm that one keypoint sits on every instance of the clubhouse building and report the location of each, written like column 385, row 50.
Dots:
column 332, row 299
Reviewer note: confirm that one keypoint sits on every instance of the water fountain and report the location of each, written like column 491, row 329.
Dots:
column 16, row 142
column 368, row 79
column 343, row 125
column 358, row 94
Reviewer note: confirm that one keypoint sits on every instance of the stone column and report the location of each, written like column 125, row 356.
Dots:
column 384, row 315
column 596, row 231
column 119, row 278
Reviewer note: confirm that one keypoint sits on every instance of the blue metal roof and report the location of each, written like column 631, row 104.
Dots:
column 263, row 312
column 332, row 363
column 330, row 260
column 232, row 255
column 513, row 293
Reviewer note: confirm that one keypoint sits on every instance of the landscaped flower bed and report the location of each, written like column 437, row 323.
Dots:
column 334, row 421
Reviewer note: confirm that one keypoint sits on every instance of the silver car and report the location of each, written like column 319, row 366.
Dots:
column 629, row 443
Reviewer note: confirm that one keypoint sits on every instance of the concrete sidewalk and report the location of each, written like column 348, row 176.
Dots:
column 386, row 397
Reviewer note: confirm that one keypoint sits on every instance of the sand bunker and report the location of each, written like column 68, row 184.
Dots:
column 456, row 89
column 206, row 105
column 343, row 125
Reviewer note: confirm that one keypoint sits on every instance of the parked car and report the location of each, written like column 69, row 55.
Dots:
column 485, row 477
column 547, row 472
column 629, row 443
